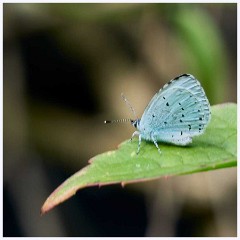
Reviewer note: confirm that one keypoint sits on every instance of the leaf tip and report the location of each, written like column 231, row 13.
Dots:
column 51, row 202
column 90, row 160
column 42, row 211
column 45, row 208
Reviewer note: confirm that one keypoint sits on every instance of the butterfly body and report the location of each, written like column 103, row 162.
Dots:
column 179, row 111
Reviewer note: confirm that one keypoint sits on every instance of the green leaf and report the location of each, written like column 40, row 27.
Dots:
column 216, row 148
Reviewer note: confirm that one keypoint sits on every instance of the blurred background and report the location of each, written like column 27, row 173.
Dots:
column 65, row 67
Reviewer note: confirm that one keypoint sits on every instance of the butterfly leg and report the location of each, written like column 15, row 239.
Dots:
column 155, row 142
column 134, row 134
column 139, row 142
column 139, row 139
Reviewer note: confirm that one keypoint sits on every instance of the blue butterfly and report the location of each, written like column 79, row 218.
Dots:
column 178, row 112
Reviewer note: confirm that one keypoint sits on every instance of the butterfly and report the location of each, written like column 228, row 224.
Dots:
column 178, row 112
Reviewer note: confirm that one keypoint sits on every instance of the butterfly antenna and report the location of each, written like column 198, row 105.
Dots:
column 125, row 119
column 129, row 105
column 118, row 121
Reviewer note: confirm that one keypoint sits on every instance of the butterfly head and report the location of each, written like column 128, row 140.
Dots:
column 135, row 123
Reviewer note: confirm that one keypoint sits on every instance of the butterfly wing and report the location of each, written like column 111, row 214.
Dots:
column 177, row 112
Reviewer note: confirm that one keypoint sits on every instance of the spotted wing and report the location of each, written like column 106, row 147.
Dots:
column 178, row 111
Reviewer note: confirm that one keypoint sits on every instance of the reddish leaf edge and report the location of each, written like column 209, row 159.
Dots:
column 53, row 200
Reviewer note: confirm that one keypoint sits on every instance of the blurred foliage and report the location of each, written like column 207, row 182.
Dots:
column 199, row 39
column 203, row 50
column 200, row 44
